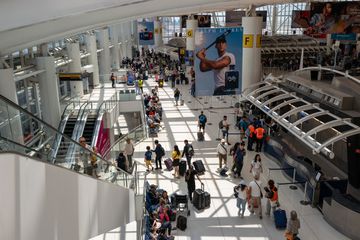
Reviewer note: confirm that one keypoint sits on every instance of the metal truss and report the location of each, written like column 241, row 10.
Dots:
column 265, row 97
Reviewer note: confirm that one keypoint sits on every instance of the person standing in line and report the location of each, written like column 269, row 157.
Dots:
column 241, row 191
column 188, row 152
column 159, row 153
column 292, row 229
column 255, row 196
column 202, row 120
column 177, row 96
column 129, row 151
column 190, row 180
column 251, row 136
column 225, row 129
column 221, row 151
column 259, row 134
column 243, row 125
column 112, row 79
column 233, row 154
column 239, row 159
column 147, row 159
column 256, row 166
column 176, row 155
column 272, row 197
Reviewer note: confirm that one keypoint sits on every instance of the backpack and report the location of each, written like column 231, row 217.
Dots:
column 202, row 119
column 162, row 151
column 191, row 150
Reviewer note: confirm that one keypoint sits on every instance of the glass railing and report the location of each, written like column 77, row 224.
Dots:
column 83, row 161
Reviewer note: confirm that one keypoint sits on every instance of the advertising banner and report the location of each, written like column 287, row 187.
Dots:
column 300, row 19
column 146, row 33
column 203, row 20
column 103, row 141
column 334, row 17
column 234, row 18
column 218, row 61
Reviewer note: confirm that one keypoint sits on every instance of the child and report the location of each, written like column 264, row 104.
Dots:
column 147, row 159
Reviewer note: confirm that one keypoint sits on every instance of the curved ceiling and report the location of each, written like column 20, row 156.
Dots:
column 25, row 23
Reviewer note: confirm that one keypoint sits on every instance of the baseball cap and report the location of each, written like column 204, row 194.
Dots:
column 220, row 39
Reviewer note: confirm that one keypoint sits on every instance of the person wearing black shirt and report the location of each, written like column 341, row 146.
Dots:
column 121, row 161
column 188, row 152
column 190, row 180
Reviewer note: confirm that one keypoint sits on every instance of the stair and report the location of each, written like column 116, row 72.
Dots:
column 64, row 144
column 89, row 128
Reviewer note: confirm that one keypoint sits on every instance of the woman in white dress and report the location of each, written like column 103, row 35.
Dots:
column 256, row 166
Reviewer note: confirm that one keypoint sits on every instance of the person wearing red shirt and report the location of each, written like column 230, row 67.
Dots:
column 259, row 136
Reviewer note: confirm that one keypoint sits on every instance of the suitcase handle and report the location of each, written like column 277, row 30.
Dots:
column 202, row 186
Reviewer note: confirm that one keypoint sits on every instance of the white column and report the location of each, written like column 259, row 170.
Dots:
column 73, row 50
column 49, row 90
column 128, row 28
column 115, row 50
column 158, row 33
column 8, row 90
column 328, row 43
column 251, row 64
column 135, row 34
column 191, row 26
column 122, row 40
column 92, row 49
column 104, row 59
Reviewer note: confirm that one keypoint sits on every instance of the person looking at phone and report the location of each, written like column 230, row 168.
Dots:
column 220, row 66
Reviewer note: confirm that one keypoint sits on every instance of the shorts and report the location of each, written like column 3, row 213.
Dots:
column 176, row 162
column 148, row 163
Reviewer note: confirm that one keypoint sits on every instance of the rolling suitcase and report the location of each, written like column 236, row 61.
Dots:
column 182, row 102
column 181, row 223
column 199, row 166
column 182, row 167
column 200, row 136
column 198, row 199
column 207, row 199
column 168, row 163
column 280, row 219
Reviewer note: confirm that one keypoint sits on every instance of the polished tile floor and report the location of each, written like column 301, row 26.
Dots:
column 221, row 220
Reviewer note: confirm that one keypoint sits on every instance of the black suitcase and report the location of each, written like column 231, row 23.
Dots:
column 181, row 223
column 200, row 136
column 198, row 199
column 199, row 166
column 182, row 167
column 207, row 199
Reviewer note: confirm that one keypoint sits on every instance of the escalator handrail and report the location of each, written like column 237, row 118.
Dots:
column 20, row 109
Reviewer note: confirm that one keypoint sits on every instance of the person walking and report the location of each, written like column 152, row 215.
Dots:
column 147, row 159
column 112, row 79
column 129, row 152
column 202, row 120
column 256, row 166
column 221, row 151
column 225, row 129
column 239, row 159
column 188, row 152
column 141, row 83
column 241, row 192
column 190, row 180
column 272, row 197
column 293, row 226
column 121, row 161
column 176, row 155
column 159, row 153
column 255, row 196
column 177, row 96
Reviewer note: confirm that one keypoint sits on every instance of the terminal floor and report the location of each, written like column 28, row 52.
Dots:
column 221, row 220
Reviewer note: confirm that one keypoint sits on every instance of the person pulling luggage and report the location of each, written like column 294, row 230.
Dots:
column 190, row 180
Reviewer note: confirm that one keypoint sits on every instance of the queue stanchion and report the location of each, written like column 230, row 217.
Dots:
column 293, row 187
column 304, row 201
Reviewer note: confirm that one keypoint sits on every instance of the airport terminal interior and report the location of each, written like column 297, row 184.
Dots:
column 162, row 120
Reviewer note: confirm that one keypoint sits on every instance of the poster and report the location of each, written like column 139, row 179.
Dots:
column 234, row 18
column 334, row 17
column 146, row 33
column 218, row 61
column 103, row 141
column 300, row 19
column 203, row 20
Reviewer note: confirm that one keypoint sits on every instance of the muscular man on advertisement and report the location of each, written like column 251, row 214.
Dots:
column 220, row 66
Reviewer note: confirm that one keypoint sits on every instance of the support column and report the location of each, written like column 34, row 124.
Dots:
column 115, row 50
column 158, row 33
column 49, row 90
column 104, row 59
column 73, row 51
column 8, row 89
column 251, row 68
column 328, row 43
column 129, row 39
column 92, row 49
column 191, row 26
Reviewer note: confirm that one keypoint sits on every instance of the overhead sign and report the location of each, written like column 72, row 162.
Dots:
column 146, row 33
column 234, row 18
column 189, row 33
column 70, row 77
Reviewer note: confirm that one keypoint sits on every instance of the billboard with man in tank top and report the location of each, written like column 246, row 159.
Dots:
column 218, row 62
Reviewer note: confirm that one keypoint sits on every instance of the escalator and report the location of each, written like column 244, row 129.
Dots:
column 68, row 131
column 89, row 127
